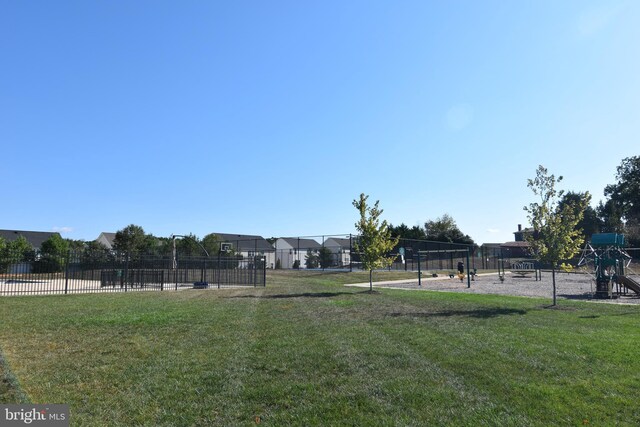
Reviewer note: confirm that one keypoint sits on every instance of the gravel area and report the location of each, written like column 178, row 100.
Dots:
column 569, row 286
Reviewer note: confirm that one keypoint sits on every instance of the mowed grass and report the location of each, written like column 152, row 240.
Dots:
column 307, row 351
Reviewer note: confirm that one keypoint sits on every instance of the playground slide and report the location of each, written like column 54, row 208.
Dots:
column 629, row 283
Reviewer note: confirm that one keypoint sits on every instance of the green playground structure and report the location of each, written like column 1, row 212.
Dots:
column 605, row 253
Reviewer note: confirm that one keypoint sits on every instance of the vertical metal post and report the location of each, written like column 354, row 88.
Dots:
column 126, row 272
column 419, row 270
column 322, row 261
column 468, row 270
column 350, row 254
column 264, row 272
column 66, row 273
column 175, row 271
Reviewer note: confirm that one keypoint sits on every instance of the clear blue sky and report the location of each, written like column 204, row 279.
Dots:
column 269, row 118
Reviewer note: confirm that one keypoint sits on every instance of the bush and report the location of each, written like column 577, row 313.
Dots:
column 296, row 264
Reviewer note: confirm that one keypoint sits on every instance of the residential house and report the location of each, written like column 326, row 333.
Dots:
column 106, row 239
column 292, row 249
column 249, row 246
column 341, row 248
column 520, row 247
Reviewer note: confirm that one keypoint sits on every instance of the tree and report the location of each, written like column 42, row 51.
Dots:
column 4, row 259
column 621, row 212
column 191, row 245
column 132, row 238
column 555, row 237
column 211, row 242
column 16, row 251
column 404, row 232
column 625, row 193
column 53, row 252
column 311, row 259
column 590, row 222
column 610, row 217
column 325, row 256
column 19, row 250
column 445, row 229
column 374, row 241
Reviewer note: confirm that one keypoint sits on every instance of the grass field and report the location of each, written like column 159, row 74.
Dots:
column 307, row 351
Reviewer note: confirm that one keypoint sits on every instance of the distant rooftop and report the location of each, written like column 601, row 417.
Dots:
column 35, row 238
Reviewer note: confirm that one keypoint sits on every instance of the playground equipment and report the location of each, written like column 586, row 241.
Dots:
column 422, row 255
column 606, row 256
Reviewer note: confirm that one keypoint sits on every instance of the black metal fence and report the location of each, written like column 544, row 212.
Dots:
column 340, row 252
column 88, row 272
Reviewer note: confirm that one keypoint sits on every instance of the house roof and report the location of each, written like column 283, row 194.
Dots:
column 109, row 236
column 296, row 242
column 523, row 244
column 35, row 238
column 342, row 242
column 524, row 230
column 245, row 242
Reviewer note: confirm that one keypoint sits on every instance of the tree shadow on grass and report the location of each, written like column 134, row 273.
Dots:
column 484, row 313
column 301, row 295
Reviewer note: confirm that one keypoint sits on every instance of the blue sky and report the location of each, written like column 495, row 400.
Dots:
column 271, row 117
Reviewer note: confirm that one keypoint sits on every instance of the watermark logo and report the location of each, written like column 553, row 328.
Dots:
column 34, row 415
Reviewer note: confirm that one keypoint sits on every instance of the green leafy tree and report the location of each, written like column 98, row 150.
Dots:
column 189, row 245
column 76, row 245
column 445, row 229
column 53, row 253
column 555, row 237
column 130, row 239
column 311, row 259
column 610, row 217
column 590, row 222
column 95, row 253
column 20, row 250
column 625, row 193
column 4, row 259
column 211, row 243
column 622, row 209
column 404, row 232
column 325, row 256
column 16, row 251
column 374, row 241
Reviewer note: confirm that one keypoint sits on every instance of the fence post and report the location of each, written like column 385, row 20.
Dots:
column 264, row 272
column 255, row 278
column 468, row 270
column 419, row 270
column 66, row 273
column 350, row 253
column 126, row 272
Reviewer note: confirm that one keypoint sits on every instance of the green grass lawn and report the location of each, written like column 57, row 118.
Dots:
column 307, row 351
